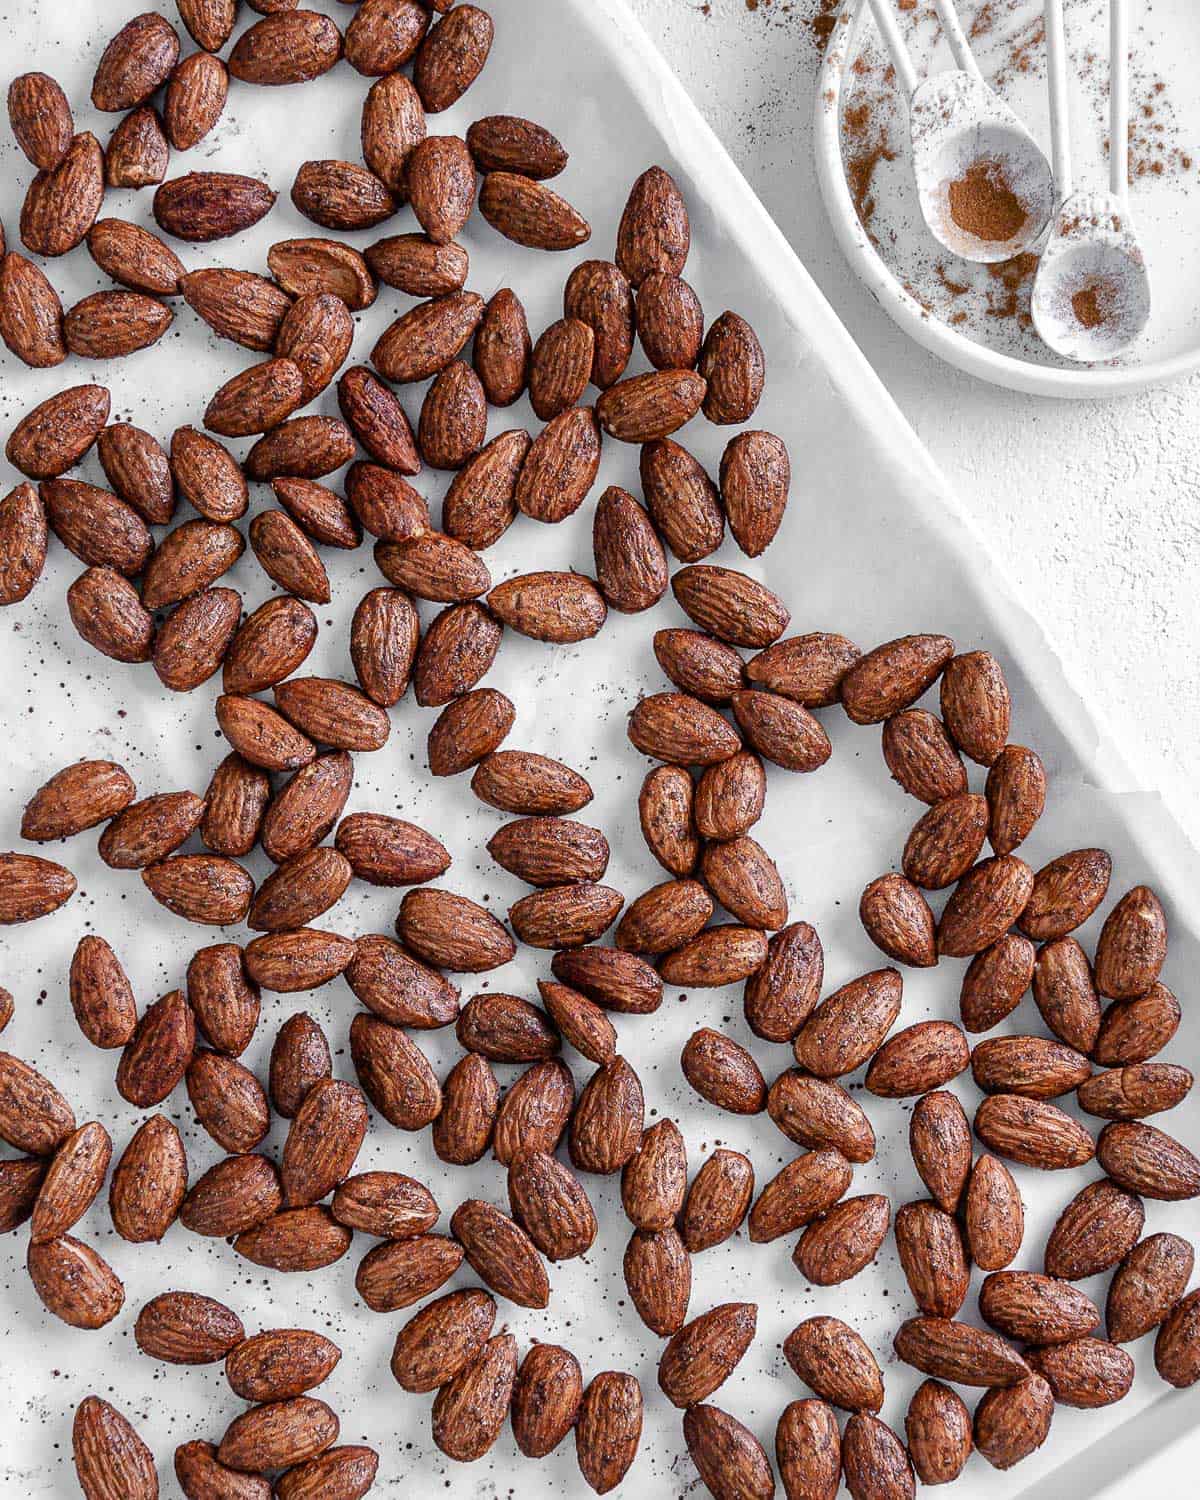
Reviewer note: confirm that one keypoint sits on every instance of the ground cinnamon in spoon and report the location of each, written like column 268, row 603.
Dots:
column 983, row 204
column 1093, row 303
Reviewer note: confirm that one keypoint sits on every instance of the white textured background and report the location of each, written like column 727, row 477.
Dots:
column 1090, row 507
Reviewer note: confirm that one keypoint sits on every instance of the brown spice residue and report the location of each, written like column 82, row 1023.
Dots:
column 983, row 204
column 870, row 142
column 1094, row 303
column 1009, row 299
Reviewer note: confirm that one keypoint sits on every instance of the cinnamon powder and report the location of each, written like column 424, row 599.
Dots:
column 983, row 204
column 1093, row 303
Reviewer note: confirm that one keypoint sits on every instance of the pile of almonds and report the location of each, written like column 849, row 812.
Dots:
column 286, row 781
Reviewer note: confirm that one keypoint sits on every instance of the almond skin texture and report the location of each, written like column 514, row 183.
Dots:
column 31, row 315
column 717, row 1200
column 441, row 1339
column 503, row 348
column 451, row 56
column 394, row 1073
column 1131, row 1031
column 780, row 996
column 893, row 676
column 783, row 732
column 1065, row 893
column 397, row 988
column 805, row 1188
column 1066, row 995
column 1134, row 1092
column 534, row 1112
column 316, row 333
column 529, row 213
column 631, row 566
column 308, row 266
column 333, row 712
column 384, row 35
column 933, row 1258
column 393, row 125
column 110, row 1458
column 664, row 917
column 996, row 979
column 580, row 1021
column 1132, row 946
column 237, row 305
column 501, row 1253
column 606, row 1126
column 1085, row 1372
column 1029, row 1065
column 135, row 63
column 189, row 558
column 814, row 1113
column 1012, row 1422
column 299, row 1059
column 681, row 730
column 201, row 1477
column 223, row 998
column 560, row 466
column 323, row 1141
column 195, row 99
column 40, row 117
column 993, row 1215
column 847, row 1028
column 138, row 153
column 99, row 529
column 705, row 1352
column 830, row 1357
column 1143, row 1159
column 1036, row 1309
column 400, row 1272
column 720, row 955
column 545, row 1399
column 470, row 1409
column 452, row 932
column 157, row 1054
column 940, row 1142
column 387, row 1204
column 32, row 887
column 340, row 1473
column 229, row 1101
column 23, row 547
column 608, row 1429
column 191, row 642
column 76, row 798
column 654, row 233
column 456, row 651
column 551, row 1205
column 72, row 1181
column 958, row 1352
column 844, row 1241
column 269, row 646
column 984, row 905
column 62, row 205
column 288, row 47
column 730, row 1459
column 920, row 756
column 301, row 960
column 136, row 258
column 730, row 605
column 723, row 1072
column 278, row 1434
column 101, row 995
column 744, row 879
column 698, row 664
column 149, row 1182
column 559, row 368
column 617, row 980
column 297, row 1240
column 232, row 1196
column 55, row 435
column 976, row 705
column 1177, row 1347
column 670, row 322
column 206, row 206
column 201, row 887
column 946, row 841
column 184, row 1328
column 808, row 1451
column 755, row 469
column 918, row 1059
column 729, row 797
column 321, row 513
column 641, row 408
column 74, row 1282
column 425, row 339
column 518, row 781
column 1016, row 794
column 1032, row 1132
column 385, row 504
column 682, row 500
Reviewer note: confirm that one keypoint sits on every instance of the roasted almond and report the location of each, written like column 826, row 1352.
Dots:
column 61, row 205
column 893, row 676
column 959, row 1352
column 815, row 1113
column 23, row 539
column 462, row 1130
column 1016, row 795
column 157, row 1054
column 149, row 1182
column 280, row 1364
column 920, row 1058
column 1065, row 893
column 608, row 1429
column 799, row 1193
column 205, row 206
column 732, row 363
column 670, row 321
column 1086, row 1372
column 704, row 1353
column 395, row 987
column 425, row 339
column 233, row 1195
column 74, row 1282
column 933, row 1258
column 683, row 502
column 299, row 1060
column 529, row 213
column 56, row 434
column 545, row 1399
column 393, row 124
column 1177, row 1347
column 654, row 233
column 185, row 1328
column 830, row 1357
column 31, row 315
column 619, row 980
column 40, row 117
column 682, row 730
column 1132, row 1093
column 729, row 797
column 1143, row 1159
column 1131, row 1031
column 848, row 1027
column 940, row 1141
column 31, row 887
column 984, row 905
column 71, row 1183
column 1036, row 1309
column 993, row 1215
column 101, row 995
column 223, row 998
column 995, row 981
column 138, row 153
column 1032, row 1132
column 278, row 1433
column 503, row 348
column 781, row 731
column 844, row 1241
column 550, row 1203
column 289, row 46
column 110, row 1457
column 301, row 960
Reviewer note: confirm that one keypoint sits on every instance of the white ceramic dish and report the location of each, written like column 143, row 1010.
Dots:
column 964, row 326
column 873, row 544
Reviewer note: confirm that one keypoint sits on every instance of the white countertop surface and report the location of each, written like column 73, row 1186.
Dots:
column 1089, row 507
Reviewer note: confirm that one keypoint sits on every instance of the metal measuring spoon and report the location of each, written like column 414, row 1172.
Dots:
column 984, row 184
column 1091, row 296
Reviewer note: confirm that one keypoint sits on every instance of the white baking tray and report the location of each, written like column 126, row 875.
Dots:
column 873, row 545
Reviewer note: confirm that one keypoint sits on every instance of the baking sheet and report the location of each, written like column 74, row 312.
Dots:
column 873, row 545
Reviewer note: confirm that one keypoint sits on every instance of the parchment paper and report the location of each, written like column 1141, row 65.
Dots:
column 873, row 546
